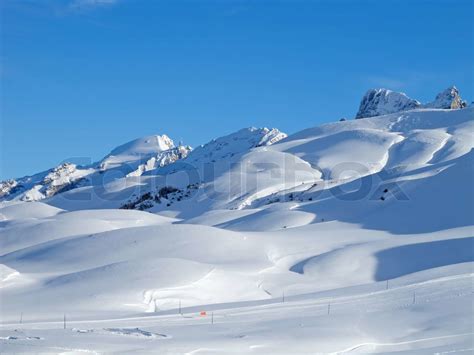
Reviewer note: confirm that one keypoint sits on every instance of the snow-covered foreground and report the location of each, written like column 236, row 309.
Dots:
column 351, row 237
column 411, row 316
column 122, row 286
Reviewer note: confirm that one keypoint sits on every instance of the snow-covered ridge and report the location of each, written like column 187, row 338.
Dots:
column 133, row 159
column 153, row 155
column 234, row 172
column 235, row 143
column 59, row 179
column 378, row 102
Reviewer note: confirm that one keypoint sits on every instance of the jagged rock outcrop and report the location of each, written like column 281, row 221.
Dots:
column 162, row 159
column 448, row 99
column 62, row 178
column 8, row 186
column 377, row 102
column 270, row 136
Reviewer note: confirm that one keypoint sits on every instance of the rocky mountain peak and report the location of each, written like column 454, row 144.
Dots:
column 377, row 102
column 448, row 99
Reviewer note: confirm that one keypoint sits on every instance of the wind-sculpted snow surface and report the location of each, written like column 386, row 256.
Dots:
column 351, row 236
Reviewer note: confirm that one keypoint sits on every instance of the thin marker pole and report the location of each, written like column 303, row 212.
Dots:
column 212, row 318
column 386, row 286
column 414, row 297
column 283, row 297
column 329, row 308
column 64, row 320
column 180, row 307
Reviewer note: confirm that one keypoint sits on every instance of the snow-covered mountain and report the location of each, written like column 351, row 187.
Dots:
column 135, row 158
column 130, row 159
column 162, row 159
column 448, row 99
column 64, row 177
column 377, row 102
column 350, row 236
column 136, row 150
column 150, row 155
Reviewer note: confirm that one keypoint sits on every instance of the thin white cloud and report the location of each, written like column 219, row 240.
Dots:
column 409, row 80
column 87, row 4
column 386, row 82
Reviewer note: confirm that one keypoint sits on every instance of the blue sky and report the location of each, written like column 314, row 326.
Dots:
column 80, row 77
